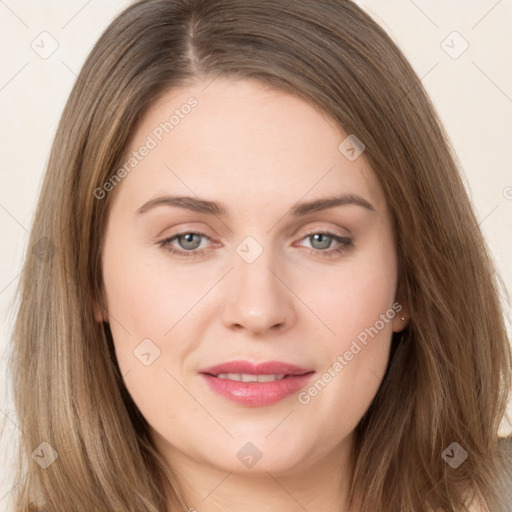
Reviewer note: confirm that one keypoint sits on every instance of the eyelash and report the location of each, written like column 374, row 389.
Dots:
column 344, row 242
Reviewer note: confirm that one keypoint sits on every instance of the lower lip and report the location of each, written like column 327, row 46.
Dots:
column 257, row 394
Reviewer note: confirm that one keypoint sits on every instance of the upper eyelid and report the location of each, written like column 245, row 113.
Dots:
column 316, row 227
column 309, row 232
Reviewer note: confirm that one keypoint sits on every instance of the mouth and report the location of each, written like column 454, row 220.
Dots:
column 248, row 377
column 256, row 385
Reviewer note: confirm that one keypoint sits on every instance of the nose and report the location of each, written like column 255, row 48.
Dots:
column 259, row 299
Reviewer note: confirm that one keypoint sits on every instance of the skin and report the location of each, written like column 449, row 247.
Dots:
column 259, row 151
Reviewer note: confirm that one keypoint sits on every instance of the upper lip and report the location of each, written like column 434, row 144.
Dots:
column 264, row 368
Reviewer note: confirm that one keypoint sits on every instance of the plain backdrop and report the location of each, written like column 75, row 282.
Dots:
column 460, row 50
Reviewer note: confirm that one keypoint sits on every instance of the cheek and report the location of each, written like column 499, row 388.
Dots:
column 147, row 297
column 149, row 308
column 357, row 306
column 353, row 295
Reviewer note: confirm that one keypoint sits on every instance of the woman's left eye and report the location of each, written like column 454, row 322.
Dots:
column 321, row 237
column 190, row 241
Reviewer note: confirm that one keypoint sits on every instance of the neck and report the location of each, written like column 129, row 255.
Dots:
column 321, row 485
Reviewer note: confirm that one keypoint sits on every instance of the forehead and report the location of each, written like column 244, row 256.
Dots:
column 254, row 143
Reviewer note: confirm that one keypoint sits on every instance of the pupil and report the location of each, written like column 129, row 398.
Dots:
column 325, row 245
column 189, row 239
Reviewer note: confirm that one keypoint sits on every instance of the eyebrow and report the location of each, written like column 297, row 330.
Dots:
column 219, row 209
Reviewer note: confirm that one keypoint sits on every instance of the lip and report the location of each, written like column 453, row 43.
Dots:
column 257, row 394
column 264, row 368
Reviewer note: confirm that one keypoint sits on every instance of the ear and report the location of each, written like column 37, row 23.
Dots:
column 100, row 312
column 401, row 308
column 402, row 316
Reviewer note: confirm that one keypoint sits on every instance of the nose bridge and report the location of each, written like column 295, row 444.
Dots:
column 258, row 299
column 252, row 268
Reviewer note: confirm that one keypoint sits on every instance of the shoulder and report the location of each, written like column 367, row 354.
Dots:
column 478, row 507
column 477, row 504
column 481, row 507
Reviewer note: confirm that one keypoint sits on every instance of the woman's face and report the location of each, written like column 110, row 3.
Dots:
column 252, row 279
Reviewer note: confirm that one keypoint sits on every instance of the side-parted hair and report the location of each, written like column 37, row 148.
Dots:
column 449, row 375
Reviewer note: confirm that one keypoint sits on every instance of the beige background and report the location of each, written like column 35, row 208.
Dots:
column 472, row 91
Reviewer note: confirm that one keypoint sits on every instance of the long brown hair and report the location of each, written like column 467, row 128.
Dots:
column 449, row 375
